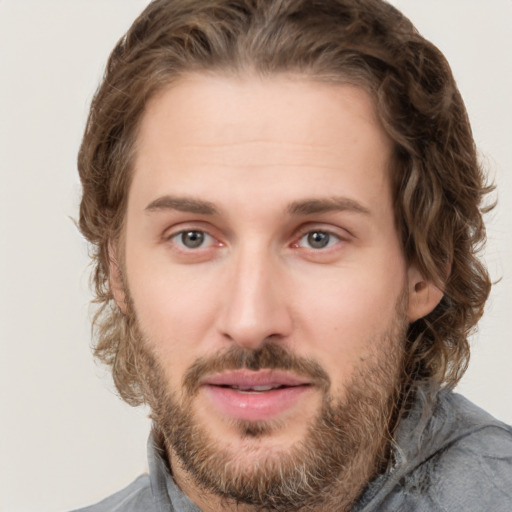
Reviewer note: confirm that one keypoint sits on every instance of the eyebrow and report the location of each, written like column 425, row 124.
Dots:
column 302, row 207
column 182, row 204
column 312, row 206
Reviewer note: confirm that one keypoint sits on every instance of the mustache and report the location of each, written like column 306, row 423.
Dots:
column 270, row 356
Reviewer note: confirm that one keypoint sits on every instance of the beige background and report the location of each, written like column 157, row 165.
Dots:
column 65, row 439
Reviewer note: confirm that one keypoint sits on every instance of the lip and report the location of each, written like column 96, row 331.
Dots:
column 233, row 393
column 248, row 378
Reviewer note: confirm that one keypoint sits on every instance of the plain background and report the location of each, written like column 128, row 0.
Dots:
column 65, row 439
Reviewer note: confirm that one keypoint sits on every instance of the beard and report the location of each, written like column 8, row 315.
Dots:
column 345, row 445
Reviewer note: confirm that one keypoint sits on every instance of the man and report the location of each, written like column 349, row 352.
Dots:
column 285, row 204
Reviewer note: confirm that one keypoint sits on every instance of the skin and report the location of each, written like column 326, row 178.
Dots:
column 255, row 166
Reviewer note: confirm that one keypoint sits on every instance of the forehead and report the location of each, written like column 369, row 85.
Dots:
column 208, row 132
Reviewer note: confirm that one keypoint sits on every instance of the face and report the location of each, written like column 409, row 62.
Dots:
column 266, row 276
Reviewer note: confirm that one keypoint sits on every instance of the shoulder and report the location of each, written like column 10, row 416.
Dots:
column 460, row 459
column 136, row 497
column 467, row 464
column 473, row 471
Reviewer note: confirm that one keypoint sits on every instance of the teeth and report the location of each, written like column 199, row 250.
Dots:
column 262, row 388
column 254, row 388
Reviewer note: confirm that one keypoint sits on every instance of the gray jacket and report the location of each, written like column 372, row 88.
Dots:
column 450, row 456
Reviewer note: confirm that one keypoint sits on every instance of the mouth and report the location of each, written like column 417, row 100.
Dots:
column 255, row 395
column 255, row 389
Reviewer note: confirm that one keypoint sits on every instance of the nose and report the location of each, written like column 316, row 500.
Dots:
column 255, row 305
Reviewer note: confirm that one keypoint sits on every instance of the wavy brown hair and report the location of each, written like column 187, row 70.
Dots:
column 438, row 185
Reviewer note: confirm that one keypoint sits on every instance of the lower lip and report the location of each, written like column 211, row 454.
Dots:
column 258, row 406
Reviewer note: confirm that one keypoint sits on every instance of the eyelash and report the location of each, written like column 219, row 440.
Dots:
column 329, row 238
column 180, row 234
column 332, row 239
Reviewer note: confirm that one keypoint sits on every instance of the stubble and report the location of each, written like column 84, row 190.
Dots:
column 343, row 448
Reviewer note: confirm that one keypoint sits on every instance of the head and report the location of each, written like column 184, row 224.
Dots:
column 180, row 57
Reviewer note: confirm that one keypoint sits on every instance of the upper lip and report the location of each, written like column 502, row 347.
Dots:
column 249, row 379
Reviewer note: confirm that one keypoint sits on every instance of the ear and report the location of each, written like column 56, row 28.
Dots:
column 424, row 295
column 116, row 279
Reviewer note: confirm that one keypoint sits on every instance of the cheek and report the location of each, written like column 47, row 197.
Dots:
column 347, row 316
column 175, row 310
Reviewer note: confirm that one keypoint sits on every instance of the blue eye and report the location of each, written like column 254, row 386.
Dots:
column 318, row 240
column 192, row 239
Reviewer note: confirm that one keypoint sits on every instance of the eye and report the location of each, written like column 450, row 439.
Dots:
column 192, row 239
column 318, row 240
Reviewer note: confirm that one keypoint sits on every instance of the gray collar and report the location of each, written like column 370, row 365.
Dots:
column 166, row 494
